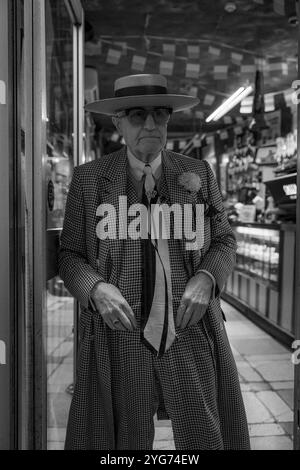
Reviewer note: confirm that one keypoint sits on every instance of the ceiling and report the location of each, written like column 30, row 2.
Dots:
column 254, row 30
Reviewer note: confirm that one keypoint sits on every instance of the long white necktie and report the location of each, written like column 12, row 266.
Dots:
column 157, row 326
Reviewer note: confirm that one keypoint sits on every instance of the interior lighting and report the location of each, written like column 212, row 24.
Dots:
column 230, row 103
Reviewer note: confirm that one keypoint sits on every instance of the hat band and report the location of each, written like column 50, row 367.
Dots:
column 141, row 90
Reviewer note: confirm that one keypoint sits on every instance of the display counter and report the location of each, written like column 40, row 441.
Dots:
column 262, row 283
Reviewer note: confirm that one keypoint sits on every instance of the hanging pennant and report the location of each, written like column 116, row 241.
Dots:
column 193, row 51
column 239, row 120
column 210, row 139
column 193, row 91
column 279, row 6
column 220, row 72
column 182, row 144
column 223, row 135
column 138, row 63
column 199, row 114
column 208, row 99
column 192, row 70
column 91, row 48
column 122, row 45
column 166, row 67
column 269, row 102
column 169, row 50
column 248, row 70
column 170, row 145
column 214, row 51
column 237, row 130
column 113, row 56
column 277, row 66
column 227, row 120
column 236, row 58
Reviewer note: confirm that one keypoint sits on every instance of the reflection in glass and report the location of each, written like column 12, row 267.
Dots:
column 59, row 75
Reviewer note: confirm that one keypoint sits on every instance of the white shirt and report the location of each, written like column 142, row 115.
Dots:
column 137, row 166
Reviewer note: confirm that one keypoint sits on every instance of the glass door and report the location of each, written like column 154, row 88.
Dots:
column 53, row 146
column 59, row 167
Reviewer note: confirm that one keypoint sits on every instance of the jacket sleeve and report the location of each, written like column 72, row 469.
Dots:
column 79, row 277
column 220, row 258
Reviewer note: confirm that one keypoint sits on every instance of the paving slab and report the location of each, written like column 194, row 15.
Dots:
column 256, row 411
column 287, row 396
column 276, row 405
column 247, row 372
column 261, row 346
column 276, row 371
column 265, row 429
column 271, row 443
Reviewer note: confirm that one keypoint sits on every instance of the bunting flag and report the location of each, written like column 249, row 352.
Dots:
column 194, row 91
column 192, row 70
column 276, row 65
column 214, row 51
column 220, row 72
column 269, row 101
column 170, row 145
column 238, row 130
column 193, row 51
column 166, row 67
column 199, row 114
column 239, row 120
column 113, row 56
column 138, row 63
column 197, row 141
column 236, row 58
column 169, row 50
column 208, row 99
column 227, row 119
column 182, row 144
column 223, row 135
column 122, row 45
column 91, row 48
column 279, row 6
column 248, row 70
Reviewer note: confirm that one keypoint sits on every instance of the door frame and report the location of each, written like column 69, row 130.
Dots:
column 35, row 150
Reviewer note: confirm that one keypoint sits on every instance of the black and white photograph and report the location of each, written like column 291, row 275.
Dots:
column 149, row 235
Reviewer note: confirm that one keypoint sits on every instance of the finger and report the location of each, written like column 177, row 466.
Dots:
column 180, row 313
column 124, row 320
column 198, row 313
column 119, row 326
column 186, row 317
column 129, row 313
column 109, row 322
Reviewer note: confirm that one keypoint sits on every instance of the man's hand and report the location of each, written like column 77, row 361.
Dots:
column 194, row 301
column 113, row 308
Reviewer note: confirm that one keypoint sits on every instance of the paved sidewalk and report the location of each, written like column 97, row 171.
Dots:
column 266, row 377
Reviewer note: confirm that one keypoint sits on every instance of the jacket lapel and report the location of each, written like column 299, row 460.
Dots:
column 178, row 194
column 112, row 190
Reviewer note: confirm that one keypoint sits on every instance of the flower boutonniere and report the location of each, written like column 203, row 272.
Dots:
column 190, row 181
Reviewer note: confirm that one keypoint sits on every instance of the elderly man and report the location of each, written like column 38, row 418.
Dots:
column 152, row 336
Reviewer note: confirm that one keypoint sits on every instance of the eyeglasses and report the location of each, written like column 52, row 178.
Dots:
column 138, row 116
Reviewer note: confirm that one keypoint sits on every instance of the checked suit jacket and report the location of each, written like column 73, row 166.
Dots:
column 84, row 260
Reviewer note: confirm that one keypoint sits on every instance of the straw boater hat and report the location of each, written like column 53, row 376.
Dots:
column 141, row 90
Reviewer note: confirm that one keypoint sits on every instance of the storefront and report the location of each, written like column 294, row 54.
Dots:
column 42, row 121
column 260, row 183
